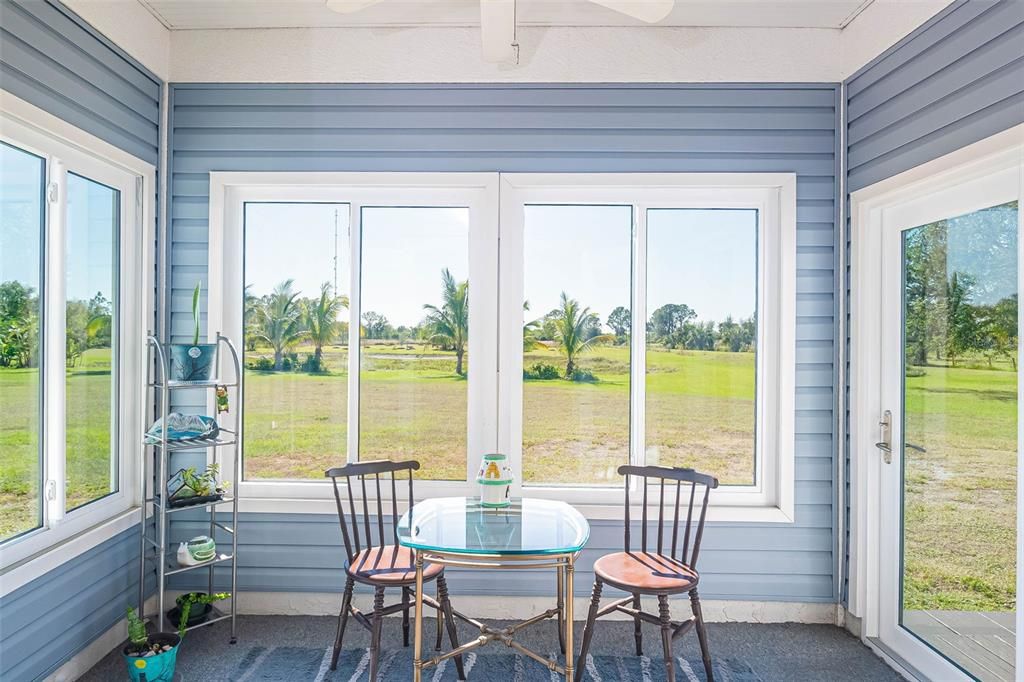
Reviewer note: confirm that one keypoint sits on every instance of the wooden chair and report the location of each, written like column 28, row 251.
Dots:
column 655, row 572
column 384, row 563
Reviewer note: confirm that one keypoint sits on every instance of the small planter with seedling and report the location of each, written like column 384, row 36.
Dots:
column 194, row 361
column 188, row 486
column 152, row 658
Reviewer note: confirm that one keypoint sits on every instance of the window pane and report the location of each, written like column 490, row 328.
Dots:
column 296, row 339
column 415, row 331
column 960, row 435
column 701, row 340
column 576, row 357
column 91, row 285
column 21, row 228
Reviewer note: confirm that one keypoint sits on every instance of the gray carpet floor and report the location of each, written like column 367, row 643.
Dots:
column 773, row 651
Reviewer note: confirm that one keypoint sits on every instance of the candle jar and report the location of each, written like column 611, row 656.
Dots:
column 495, row 479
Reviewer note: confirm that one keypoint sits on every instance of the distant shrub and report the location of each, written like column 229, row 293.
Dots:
column 542, row 371
column 288, row 364
column 583, row 376
column 312, row 365
column 262, row 364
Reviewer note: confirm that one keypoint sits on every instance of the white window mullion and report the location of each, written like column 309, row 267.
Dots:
column 638, row 339
column 55, row 342
column 354, row 312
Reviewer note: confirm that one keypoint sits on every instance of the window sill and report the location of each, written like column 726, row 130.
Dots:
column 592, row 512
column 32, row 567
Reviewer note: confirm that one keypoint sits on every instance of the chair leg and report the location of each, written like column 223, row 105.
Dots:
column 588, row 631
column 346, row 604
column 405, row 616
column 378, row 607
column 638, row 636
column 666, row 637
column 449, row 621
column 702, row 635
column 440, row 622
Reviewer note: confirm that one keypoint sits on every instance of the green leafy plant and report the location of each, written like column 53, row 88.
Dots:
column 195, row 312
column 186, row 601
column 137, row 631
column 202, row 484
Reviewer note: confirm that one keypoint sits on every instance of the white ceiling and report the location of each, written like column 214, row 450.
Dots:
column 214, row 14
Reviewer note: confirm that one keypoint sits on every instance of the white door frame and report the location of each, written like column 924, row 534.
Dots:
column 875, row 235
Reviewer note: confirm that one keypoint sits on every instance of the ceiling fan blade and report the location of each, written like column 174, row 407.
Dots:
column 498, row 30
column 650, row 11
column 349, row 6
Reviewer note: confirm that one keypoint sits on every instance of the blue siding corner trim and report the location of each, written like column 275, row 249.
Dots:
column 539, row 128
column 52, row 59
column 954, row 81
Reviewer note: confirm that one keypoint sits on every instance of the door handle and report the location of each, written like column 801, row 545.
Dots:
column 885, row 445
column 914, row 447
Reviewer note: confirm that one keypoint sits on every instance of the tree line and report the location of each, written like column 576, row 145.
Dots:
column 943, row 313
column 89, row 324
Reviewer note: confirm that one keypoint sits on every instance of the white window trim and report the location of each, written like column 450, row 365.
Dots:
column 870, row 208
column 66, row 147
column 773, row 194
column 229, row 192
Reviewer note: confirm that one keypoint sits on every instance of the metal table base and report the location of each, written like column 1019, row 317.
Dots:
column 563, row 565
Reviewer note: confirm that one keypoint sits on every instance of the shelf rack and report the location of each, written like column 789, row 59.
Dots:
column 154, row 545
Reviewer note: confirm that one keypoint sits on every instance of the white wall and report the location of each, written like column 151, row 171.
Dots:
column 554, row 54
column 132, row 28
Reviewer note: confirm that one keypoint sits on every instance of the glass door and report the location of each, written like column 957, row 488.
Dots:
column 949, row 432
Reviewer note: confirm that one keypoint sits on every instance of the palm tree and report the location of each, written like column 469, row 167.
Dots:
column 450, row 322
column 571, row 325
column 279, row 320
column 322, row 319
column 530, row 341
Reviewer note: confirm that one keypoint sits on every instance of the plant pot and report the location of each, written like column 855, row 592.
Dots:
column 158, row 667
column 198, row 613
column 192, row 362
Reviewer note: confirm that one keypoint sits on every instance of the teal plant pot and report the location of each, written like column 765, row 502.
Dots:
column 156, row 668
column 193, row 362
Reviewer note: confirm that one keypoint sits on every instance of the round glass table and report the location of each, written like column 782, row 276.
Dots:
column 531, row 533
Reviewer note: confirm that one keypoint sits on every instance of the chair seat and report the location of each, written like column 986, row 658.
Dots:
column 645, row 572
column 390, row 564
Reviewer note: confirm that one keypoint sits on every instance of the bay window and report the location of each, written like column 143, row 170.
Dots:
column 578, row 323
column 75, row 233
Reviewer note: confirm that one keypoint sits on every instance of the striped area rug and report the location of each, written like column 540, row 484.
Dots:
column 298, row 663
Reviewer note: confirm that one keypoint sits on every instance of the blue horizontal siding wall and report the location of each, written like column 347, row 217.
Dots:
column 49, row 57
column 549, row 128
column 55, row 61
column 957, row 79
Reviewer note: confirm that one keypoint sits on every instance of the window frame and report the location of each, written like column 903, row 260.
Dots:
column 68, row 149
column 230, row 192
column 773, row 195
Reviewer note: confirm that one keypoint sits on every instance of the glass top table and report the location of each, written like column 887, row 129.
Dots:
column 461, row 525
column 531, row 533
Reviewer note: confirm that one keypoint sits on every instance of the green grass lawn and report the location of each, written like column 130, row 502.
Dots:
column 961, row 495
column 88, row 439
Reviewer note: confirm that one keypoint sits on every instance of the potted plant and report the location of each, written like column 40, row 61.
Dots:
column 195, row 361
column 188, row 486
column 155, row 656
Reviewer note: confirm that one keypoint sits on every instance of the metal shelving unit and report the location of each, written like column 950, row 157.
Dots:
column 155, row 460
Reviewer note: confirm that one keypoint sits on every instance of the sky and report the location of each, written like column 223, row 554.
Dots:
column 704, row 258
column 91, row 226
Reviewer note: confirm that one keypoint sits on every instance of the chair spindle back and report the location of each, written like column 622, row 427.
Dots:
column 683, row 479
column 360, row 471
